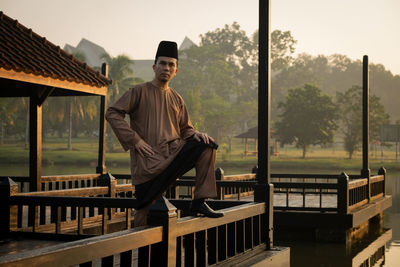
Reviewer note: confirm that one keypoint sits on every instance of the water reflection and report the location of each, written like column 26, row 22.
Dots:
column 391, row 219
column 371, row 250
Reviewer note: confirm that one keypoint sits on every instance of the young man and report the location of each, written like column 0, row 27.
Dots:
column 162, row 141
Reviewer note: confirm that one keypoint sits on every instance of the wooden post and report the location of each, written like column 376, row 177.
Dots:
column 343, row 193
column 366, row 171
column 219, row 176
column 164, row 213
column 8, row 188
column 262, row 189
column 101, row 163
column 35, row 142
column 111, row 182
column 382, row 171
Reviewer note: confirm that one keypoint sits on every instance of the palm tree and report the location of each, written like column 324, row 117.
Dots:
column 121, row 73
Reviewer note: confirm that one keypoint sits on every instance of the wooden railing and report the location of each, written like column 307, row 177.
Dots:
column 345, row 193
column 57, row 182
column 187, row 241
column 69, row 210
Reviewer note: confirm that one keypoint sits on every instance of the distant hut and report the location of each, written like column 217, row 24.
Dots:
column 31, row 66
column 252, row 134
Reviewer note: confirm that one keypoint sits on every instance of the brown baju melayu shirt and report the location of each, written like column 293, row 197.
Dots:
column 160, row 118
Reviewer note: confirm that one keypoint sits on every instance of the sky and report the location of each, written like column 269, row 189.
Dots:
column 135, row 27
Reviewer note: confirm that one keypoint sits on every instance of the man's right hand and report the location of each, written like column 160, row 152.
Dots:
column 144, row 149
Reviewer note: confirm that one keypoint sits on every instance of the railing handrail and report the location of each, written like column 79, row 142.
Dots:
column 311, row 176
column 232, row 214
column 95, row 248
column 358, row 183
column 86, row 191
column 68, row 201
column 69, row 177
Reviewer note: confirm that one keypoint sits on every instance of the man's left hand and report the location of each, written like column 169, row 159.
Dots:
column 203, row 137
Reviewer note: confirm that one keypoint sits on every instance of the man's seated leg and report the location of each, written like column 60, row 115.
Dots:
column 140, row 217
column 205, row 184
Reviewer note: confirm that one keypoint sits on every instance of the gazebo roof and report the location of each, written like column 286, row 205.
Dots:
column 251, row 133
column 27, row 57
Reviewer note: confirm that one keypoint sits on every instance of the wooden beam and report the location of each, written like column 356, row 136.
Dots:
column 44, row 94
column 35, row 143
column 47, row 81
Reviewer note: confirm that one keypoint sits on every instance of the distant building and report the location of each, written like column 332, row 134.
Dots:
column 187, row 43
column 142, row 68
column 93, row 52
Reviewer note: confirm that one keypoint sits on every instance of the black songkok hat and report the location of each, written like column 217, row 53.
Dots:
column 167, row 49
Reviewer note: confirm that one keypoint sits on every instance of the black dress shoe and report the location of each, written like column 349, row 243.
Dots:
column 200, row 207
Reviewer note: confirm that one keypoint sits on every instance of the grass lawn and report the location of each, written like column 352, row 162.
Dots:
column 84, row 153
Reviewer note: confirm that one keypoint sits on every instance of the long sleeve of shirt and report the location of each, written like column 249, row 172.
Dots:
column 115, row 115
column 159, row 117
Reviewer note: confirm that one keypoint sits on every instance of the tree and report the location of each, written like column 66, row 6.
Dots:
column 350, row 108
column 308, row 118
column 282, row 48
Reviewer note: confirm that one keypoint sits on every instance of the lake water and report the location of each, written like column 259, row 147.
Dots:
column 302, row 253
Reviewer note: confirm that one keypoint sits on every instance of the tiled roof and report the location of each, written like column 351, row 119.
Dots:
column 22, row 50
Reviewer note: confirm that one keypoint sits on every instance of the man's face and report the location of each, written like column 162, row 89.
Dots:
column 165, row 69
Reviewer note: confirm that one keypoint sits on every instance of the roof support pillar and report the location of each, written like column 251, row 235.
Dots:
column 366, row 171
column 263, row 189
column 35, row 142
column 101, row 163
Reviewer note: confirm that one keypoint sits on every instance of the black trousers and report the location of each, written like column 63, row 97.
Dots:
column 147, row 192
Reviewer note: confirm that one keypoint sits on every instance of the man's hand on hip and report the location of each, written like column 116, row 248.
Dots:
column 144, row 149
column 204, row 137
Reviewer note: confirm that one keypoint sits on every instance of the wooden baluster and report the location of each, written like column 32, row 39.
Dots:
column 287, row 197
column 108, row 261
column 222, row 242
column 179, row 247
column 232, row 239
column 144, row 256
column 58, row 219
column 80, row 220
column 240, row 236
column 248, row 234
column 201, row 248
column 20, row 215
column 42, row 219
column 73, row 213
column 63, row 214
column 320, row 198
column 212, row 245
column 128, row 216
column 126, row 259
column 188, row 242
column 104, row 220
column 256, row 230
